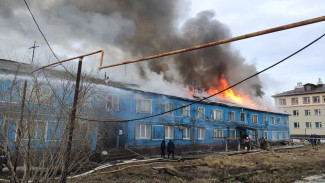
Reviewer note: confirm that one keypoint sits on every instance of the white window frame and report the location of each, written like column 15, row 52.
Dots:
column 242, row 114
column 216, row 116
column 264, row 119
column 316, row 99
column 308, row 124
column 272, row 120
column 200, row 133
column 113, row 102
column 187, row 133
column 282, row 101
column 318, row 125
column 274, row 135
column 278, row 120
column 186, row 111
column 295, row 112
column 169, row 132
column 143, row 135
column 35, row 124
column 317, row 112
column 168, row 107
column 306, row 100
column 232, row 134
column 254, row 118
column 296, row 125
column 218, row 133
column 232, row 117
column 307, row 112
column 253, row 134
column 294, row 101
column 143, row 105
column 200, row 112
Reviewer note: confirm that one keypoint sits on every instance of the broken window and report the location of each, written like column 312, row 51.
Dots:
column 143, row 105
column 217, row 114
column 201, row 112
column 201, row 133
column 169, row 132
column 142, row 131
column 186, row 111
column 168, row 107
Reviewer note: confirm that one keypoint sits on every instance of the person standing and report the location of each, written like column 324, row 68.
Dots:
column 247, row 143
column 162, row 147
column 171, row 148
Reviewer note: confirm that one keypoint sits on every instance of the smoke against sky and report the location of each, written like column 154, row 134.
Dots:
column 131, row 29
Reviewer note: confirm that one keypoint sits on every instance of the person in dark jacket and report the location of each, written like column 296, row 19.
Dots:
column 248, row 143
column 162, row 147
column 171, row 148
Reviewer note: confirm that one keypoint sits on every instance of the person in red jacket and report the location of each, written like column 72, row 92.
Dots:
column 248, row 143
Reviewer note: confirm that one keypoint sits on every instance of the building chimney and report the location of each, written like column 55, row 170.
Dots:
column 299, row 85
column 320, row 83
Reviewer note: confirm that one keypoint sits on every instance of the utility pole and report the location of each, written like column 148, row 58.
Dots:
column 33, row 47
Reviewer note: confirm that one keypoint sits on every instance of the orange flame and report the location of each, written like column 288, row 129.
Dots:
column 231, row 95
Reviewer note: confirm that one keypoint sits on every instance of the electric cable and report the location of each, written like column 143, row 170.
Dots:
column 46, row 39
column 205, row 98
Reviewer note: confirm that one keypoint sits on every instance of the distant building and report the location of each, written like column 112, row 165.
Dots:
column 306, row 105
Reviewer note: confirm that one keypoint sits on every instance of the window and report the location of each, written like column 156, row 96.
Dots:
column 143, row 105
column 187, row 133
column 280, row 135
column 308, row 124
column 295, row 113
column 168, row 107
column 217, row 114
column 254, row 118
column 286, row 135
column 324, row 98
column 265, row 119
column 232, row 115
column 307, row 112
column 265, row 134
column 142, row 131
column 317, row 112
column 242, row 117
column 272, row 120
column 285, row 121
column 201, row 133
column 273, row 135
column 169, row 132
column 294, row 101
column 318, row 124
column 283, row 102
column 33, row 130
column 201, row 112
column 233, row 133
column 306, row 100
column 253, row 134
column 296, row 124
column 112, row 102
column 279, row 121
column 316, row 99
column 186, row 111
column 218, row 133
column 37, row 94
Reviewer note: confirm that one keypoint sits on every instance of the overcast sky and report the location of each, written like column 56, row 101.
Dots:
column 76, row 27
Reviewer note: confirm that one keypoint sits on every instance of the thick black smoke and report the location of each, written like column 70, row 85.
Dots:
column 157, row 31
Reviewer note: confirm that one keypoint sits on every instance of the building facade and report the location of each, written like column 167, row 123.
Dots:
column 306, row 106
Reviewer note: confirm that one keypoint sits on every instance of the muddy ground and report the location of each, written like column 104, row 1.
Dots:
column 263, row 166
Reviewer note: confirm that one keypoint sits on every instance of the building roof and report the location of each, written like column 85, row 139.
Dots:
column 14, row 67
column 306, row 89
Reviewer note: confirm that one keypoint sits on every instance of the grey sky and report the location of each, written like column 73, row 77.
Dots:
column 75, row 27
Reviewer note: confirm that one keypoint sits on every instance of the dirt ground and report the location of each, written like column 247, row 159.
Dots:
column 286, row 165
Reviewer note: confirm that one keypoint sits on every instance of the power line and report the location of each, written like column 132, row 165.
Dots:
column 45, row 38
column 205, row 98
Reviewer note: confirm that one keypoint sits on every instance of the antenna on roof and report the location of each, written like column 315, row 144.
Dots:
column 33, row 50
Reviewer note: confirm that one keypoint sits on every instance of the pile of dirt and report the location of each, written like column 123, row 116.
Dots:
column 263, row 166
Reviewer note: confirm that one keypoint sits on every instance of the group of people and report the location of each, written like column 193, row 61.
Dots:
column 262, row 141
column 170, row 148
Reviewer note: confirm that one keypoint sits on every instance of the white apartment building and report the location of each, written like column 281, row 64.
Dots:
column 306, row 106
